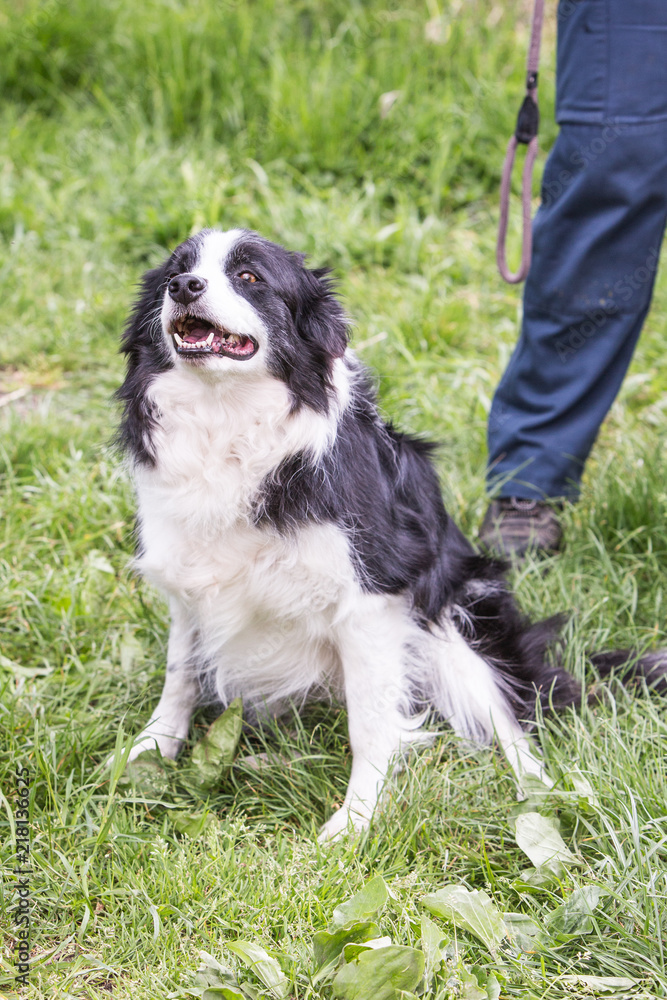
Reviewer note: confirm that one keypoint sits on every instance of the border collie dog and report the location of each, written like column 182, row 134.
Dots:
column 301, row 541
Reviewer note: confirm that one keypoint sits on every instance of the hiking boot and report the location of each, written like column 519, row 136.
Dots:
column 514, row 526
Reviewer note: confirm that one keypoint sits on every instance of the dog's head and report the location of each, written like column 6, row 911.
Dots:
column 234, row 304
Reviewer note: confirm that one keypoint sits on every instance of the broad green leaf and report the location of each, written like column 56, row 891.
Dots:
column 97, row 561
column 470, row 988
column 538, row 837
column 364, row 905
column 466, row 984
column 214, row 980
column 582, row 786
column 148, row 774
column 434, row 946
column 472, row 910
column 226, row 992
column 263, row 965
column 327, row 946
column 251, row 992
column 574, row 916
column 492, row 988
column 21, row 671
column 191, row 824
column 538, row 878
column 601, row 984
column 526, row 934
column 211, row 993
column 211, row 971
column 352, row 950
column 380, row 974
column 534, row 788
column 213, row 755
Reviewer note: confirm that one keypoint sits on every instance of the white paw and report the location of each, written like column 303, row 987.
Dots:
column 342, row 823
column 168, row 746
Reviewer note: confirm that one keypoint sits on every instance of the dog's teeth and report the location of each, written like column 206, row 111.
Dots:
column 178, row 340
column 209, row 339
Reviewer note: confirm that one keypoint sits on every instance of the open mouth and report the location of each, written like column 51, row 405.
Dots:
column 194, row 337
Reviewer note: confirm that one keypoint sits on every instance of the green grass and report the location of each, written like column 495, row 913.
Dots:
column 123, row 128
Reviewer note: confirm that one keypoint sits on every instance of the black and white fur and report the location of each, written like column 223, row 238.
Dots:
column 301, row 541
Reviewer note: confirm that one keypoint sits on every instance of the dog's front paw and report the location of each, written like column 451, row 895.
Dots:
column 342, row 823
column 168, row 746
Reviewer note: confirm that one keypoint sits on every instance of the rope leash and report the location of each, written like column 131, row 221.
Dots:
column 527, row 125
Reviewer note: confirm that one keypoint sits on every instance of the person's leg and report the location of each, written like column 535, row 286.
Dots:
column 597, row 237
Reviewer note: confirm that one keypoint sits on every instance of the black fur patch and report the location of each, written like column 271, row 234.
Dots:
column 381, row 487
column 147, row 356
column 306, row 322
column 630, row 668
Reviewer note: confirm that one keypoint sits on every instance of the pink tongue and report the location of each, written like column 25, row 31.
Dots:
column 245, row 347
column 199, row 333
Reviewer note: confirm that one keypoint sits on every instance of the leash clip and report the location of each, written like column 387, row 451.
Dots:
column 528, row 120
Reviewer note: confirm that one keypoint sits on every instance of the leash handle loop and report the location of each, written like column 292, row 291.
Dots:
column 514, row 278
column 526, row 130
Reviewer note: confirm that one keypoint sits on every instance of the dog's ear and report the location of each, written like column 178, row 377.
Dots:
column 145, row 316
column 319, row 316
column 147, row 355
column 305, row 358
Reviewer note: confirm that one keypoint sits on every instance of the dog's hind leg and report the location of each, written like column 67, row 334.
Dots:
column 371, row 644
column 169, row 724
column 468, row 693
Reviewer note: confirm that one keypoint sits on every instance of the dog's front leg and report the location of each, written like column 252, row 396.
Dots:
column 170, row 722
column 371, row 647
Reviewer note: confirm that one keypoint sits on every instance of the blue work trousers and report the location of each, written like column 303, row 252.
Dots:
column 596, row 244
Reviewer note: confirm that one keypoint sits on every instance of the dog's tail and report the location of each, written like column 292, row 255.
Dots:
column 631, row 669
column 525, row 656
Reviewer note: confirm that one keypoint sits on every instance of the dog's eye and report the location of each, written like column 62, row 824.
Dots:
column 248, row 276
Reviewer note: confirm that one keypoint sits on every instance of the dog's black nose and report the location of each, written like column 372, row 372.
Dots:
column 186, row 288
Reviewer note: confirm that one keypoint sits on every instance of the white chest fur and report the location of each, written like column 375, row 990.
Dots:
column 216, row 441
column 261, row 602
